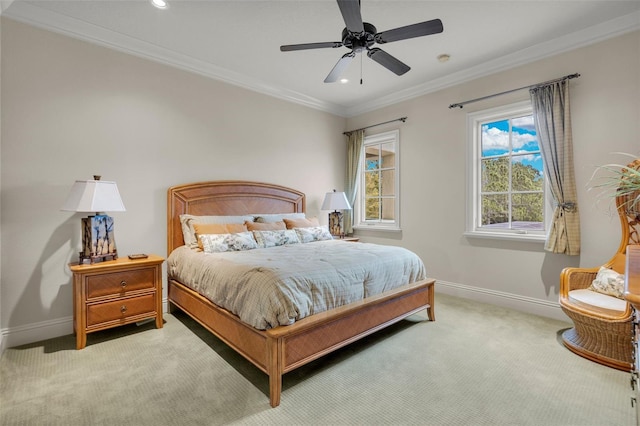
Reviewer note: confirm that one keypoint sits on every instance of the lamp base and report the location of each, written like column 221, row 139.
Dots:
column 96, row 258
column 98, row 240
column 336, row 224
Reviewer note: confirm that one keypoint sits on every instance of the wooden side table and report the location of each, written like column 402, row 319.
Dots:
column 113, row 293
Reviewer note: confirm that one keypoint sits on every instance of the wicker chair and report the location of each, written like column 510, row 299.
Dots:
column 602, row 336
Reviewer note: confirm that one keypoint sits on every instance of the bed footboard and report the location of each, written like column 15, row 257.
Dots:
column 283, row 349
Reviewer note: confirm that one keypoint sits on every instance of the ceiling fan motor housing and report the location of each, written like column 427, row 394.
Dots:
column 359, row 36
column 359, row 41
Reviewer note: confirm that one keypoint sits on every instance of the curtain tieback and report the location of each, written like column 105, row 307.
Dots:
column 568, row 207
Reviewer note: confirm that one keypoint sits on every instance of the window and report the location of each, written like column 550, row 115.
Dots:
column 507, row 190
column 378, row 194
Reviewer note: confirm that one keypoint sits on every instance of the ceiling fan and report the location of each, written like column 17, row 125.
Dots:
column 359, row 36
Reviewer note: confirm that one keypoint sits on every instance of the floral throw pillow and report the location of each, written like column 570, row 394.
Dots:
column 216, row 243
column 608, row 282
column 316, row 233
column 276, row 238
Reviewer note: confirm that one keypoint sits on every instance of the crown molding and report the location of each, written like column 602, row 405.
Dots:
column 600, row 32
column 78, row 29
column 51, row 21
column 4, row 5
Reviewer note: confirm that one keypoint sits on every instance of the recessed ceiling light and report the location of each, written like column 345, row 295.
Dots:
column 160, row 4
column 444, row 57
column 344, row 80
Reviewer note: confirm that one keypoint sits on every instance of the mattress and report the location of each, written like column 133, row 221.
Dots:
column 269, row 287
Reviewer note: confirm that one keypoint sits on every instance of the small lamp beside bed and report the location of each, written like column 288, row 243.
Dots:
column 336, row 201
column 98, row 241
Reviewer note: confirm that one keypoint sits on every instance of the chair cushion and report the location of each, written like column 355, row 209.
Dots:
column 597, row 301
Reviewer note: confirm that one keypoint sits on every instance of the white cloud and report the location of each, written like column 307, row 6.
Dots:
column 494, row 138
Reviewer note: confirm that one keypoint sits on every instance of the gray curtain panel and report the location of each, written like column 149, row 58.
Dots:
column 355, row 140
column 553, row 123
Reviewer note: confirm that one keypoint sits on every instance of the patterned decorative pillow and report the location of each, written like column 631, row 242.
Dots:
column 217, row 228
column 216, row 243
column 608, row 282
column 316, row 233
column 276, row 238
column 188, row 220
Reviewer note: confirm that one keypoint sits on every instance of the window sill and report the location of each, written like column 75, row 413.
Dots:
column 373, row 228
column 533, row 238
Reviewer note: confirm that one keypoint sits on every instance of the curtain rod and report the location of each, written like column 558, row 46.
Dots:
column 566, row 77
column 403, row 119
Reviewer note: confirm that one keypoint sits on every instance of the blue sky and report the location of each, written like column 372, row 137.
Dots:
column 495, row 140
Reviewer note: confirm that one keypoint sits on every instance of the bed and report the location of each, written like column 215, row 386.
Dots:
column 279, row 349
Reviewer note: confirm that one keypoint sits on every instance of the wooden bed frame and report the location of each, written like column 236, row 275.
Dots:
column 281, row 349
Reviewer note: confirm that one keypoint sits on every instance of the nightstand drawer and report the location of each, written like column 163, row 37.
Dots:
column 120, row 309
column 120, row 282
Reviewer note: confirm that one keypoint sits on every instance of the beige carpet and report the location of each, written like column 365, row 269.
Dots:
column 476, row 365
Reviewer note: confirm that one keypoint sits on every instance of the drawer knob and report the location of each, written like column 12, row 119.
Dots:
column 123, row 283
column 123, row 309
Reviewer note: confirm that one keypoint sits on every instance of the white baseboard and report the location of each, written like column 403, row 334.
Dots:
column 25, row 334
column 36, row 332
column 530, row 305
column 22, row 335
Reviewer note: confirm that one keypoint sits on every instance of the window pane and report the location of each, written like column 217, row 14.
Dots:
column 495, row 138
column 388, row 155
column 524, row 174
column 387, row 184
column 372, row 209
column 372, row 184
column 495, row 175
column 388, row 207
column 524, row 135
column 527, row 211
column 495, row 210
column 372, row 158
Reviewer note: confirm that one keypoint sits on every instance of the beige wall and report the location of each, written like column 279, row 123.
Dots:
column 605, row 103
column 72, row 109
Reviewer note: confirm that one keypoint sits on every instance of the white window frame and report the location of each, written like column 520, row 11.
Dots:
column 473, row 209
column 384, row 225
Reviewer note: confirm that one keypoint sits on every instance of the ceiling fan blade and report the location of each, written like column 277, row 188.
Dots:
column 339, row 68
column 410, row 31
column 389, row 62
column 350, row 10
column 305, row 46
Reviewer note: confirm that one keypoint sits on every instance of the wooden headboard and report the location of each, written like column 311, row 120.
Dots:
column 226, row 198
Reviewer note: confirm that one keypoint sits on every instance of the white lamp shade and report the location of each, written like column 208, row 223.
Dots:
column 94, row 196
column 335, row 201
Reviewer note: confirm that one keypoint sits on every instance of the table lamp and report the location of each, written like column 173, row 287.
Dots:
column 98, row 241
column 336, row 201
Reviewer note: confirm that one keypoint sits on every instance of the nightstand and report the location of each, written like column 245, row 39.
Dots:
column 113, row 293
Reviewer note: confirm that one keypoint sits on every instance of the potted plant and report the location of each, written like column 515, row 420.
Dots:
column 621, row 181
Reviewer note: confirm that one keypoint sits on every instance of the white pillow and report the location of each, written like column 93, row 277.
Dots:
column 608, row 282
column 187, row 221
column 316, row 233
column 276, row 238
column 277, row 217
column 216, row 243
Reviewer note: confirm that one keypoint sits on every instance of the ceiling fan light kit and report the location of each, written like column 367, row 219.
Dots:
column 360, row 36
